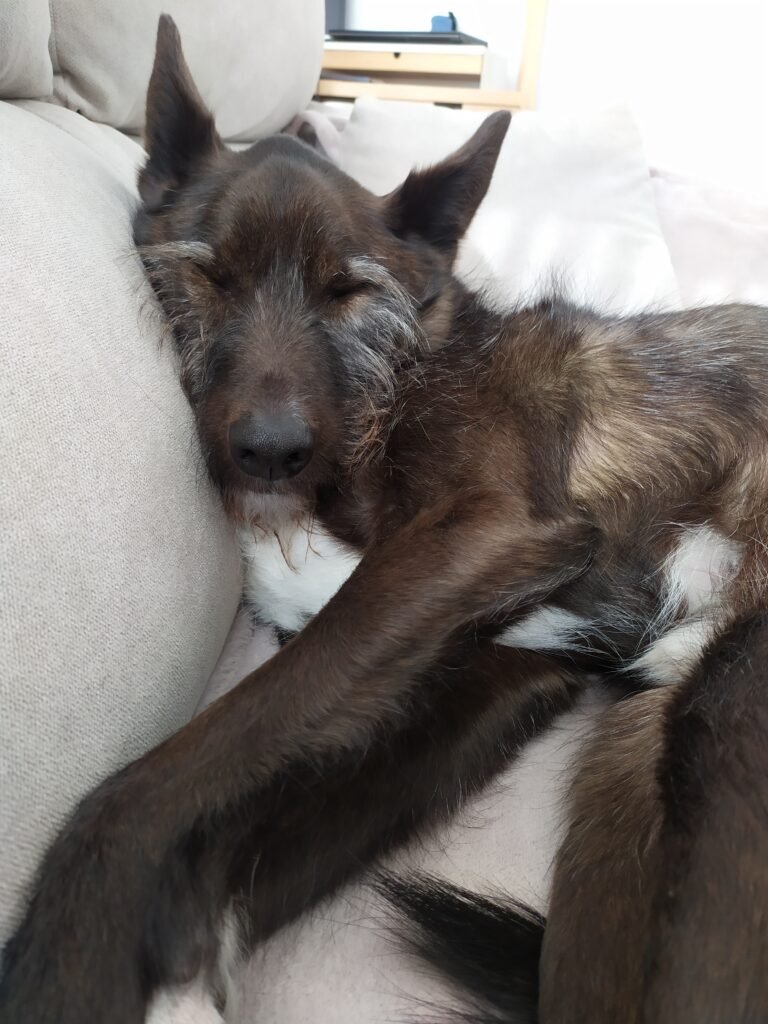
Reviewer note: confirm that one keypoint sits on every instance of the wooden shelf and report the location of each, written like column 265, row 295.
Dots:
column 394, row 62
column 449, row 75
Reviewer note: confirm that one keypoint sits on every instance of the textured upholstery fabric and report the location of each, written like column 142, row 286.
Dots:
column 119, row 576
column 25, row 63
column 255, row 63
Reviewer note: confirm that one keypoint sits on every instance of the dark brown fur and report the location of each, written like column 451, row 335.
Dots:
column 482, row 461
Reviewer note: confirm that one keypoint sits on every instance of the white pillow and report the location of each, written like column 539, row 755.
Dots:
column 570, row 200
column 718, row 241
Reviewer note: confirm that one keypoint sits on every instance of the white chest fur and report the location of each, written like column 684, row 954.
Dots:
column 291, row 572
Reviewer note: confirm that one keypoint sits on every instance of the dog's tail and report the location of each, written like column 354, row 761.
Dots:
column 488, row 949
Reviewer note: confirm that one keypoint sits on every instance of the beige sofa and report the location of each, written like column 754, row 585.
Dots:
column 119, row 577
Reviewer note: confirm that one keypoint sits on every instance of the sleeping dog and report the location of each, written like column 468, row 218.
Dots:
column 463, row 510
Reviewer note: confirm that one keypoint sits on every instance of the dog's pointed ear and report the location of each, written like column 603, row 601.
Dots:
column 180, row 130
column 439, row 202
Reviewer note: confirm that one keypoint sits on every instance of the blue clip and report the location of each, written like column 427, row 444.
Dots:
column 444, row 22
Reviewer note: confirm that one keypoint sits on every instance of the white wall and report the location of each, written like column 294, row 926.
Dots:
column 694, row 72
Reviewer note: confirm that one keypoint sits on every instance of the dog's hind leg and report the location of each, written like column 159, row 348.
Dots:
column 660, row 902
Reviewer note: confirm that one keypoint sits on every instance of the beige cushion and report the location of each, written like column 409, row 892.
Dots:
column 25, row 64
column 119, row 576
column 256, row 62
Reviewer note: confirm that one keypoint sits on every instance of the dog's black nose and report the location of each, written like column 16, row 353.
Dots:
column 273, row 447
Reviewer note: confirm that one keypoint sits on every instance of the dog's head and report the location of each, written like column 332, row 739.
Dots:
column 294, row 294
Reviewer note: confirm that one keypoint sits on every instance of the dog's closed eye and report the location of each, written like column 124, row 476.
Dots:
column 200, row 254
column 343, row 286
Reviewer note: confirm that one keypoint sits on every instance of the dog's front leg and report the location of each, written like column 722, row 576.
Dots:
column 83, row 952
column 319, row 825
